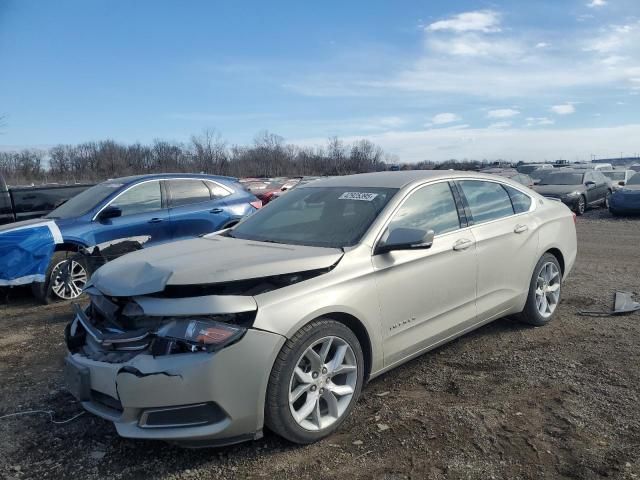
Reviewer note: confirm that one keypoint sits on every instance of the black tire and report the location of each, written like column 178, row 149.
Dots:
column 278, row 416
column 42, row 290
column 581, row 206
column 530, row 313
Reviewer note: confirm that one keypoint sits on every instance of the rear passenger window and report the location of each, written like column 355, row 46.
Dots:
column 487, row 200
column 216, row 190
column 186, row 192
column 520, row 201
column 430, row 208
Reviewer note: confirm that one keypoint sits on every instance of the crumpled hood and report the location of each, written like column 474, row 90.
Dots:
column 557, row 190
column 205, row 260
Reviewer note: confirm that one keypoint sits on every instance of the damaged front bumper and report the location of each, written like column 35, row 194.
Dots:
column 193, row 398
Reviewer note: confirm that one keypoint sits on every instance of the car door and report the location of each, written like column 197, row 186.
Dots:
column 196, row 207
column 506, row 236
column 602, row 185
column 426, row 295
column 143, row 216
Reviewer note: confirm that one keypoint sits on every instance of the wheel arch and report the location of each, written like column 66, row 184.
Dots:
column 360, row 331
column 69, row 246
column 559, row 256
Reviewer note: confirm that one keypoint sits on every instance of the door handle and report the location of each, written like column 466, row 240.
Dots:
column 216, row 210
column 155, row 220
column 462, row 244
column 520, row 228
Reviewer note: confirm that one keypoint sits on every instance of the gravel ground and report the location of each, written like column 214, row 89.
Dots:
column 507, row 401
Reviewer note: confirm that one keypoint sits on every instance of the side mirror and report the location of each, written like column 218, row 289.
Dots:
column 405, row 239
column 621, row 183
column 109, row 212
column 590, row 184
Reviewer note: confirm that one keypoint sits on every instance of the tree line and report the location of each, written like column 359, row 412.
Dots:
column 267, row 156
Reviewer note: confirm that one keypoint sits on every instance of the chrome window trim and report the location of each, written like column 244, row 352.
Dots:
column 387, row 221
column 157, row 180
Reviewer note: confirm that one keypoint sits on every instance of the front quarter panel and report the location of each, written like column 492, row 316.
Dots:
column 348, row 289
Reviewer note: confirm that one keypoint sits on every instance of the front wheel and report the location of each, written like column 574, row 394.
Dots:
column 65, row 278
column 315, row 382
column 544, row 292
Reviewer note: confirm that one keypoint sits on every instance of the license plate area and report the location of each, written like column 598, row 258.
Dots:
column 77, row 380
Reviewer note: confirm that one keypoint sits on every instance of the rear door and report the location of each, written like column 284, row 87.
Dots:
column 196, row 207
column 506, row 236
column 144, row 219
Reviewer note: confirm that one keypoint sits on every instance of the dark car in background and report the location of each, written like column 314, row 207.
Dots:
column 626, row 200
column 141, row 210
column 529, row 168
column 618, row 178
column 579, row 189
column 24, row 203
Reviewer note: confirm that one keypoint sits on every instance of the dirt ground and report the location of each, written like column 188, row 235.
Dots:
column 507, row 401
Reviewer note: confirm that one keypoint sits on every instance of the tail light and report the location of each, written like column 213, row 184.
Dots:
column 256, row 204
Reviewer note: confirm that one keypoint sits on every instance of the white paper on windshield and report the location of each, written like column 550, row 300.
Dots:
column 364, row 196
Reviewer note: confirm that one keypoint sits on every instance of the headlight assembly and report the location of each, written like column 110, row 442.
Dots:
column 192, row 335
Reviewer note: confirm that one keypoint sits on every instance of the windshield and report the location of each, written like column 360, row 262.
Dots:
column 635, row 180
column 85, row 201
column 614, row 175
column 559, row 178
column 317, row 216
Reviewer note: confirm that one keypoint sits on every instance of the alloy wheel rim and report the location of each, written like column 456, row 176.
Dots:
column 68, row 279
column 547, row 289
column 323, row 383
column 581, row 205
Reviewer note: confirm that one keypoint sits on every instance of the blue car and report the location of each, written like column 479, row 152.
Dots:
column 626, row 200
column 141, row 211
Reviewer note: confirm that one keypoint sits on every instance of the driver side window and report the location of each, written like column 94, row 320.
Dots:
column 430, row 208
column 142, row 198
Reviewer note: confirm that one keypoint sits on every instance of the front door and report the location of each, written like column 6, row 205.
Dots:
column 426, row 295
column 143, row 219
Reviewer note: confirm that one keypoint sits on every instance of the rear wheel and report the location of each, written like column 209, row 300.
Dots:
column 65, row 278
column 315, row 382
column 581, row 206
column 544, row 292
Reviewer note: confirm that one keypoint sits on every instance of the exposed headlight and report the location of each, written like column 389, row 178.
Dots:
column 572, row 194
column 194, row 335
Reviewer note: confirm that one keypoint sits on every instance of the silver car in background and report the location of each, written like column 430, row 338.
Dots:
column 282, row 319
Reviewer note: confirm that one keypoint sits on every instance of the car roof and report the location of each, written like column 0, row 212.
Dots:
column 165, row 176
column 396, row 179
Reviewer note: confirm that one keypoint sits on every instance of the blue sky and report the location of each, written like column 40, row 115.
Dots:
column 528, row 80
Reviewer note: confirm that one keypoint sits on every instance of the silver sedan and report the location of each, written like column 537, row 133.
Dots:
column 281, row 320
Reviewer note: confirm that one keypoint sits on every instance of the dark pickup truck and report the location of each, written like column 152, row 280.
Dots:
column 24, row 203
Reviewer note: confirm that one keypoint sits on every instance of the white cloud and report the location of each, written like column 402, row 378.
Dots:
column 539, row 121
column 510, row 144
column 486, row 21
column 443, row 118
column 472, row 44
column 542, row 45
column 500, row 125
column 596, row 3
column 564, row 109
column 502, row 113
